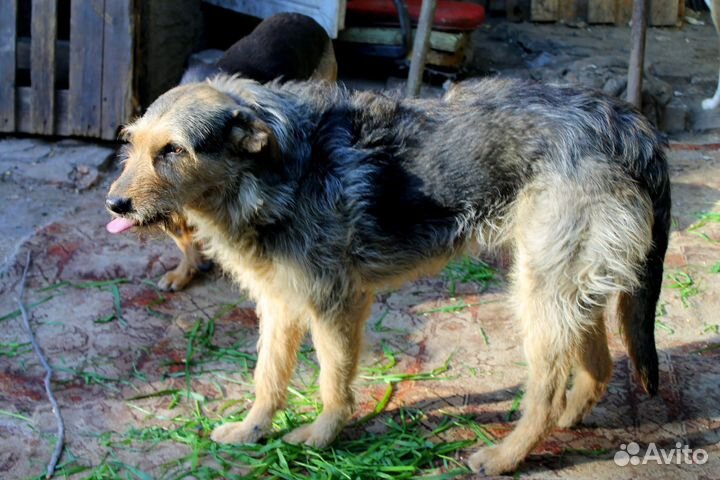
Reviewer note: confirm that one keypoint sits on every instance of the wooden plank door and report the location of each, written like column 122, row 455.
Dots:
column 43, row 31
column 84, row 109
column 664, row 13
column 601, row 11
column 117, row 72
column 544, row 10
column 8, row 14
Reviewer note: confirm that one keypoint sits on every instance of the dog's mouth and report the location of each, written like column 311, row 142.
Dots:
column 122, row 224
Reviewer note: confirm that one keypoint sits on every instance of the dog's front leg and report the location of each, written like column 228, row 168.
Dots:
column 281, row 332
column 191, row 262
column 338, row 341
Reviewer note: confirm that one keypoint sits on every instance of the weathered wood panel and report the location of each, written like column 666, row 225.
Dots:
column 22, row 53
column 619, row 12
column 664, row 13
column 117, row 74
column 8, row 13
column 23, row 123
column 624, row 12
column 43, row 31
column 601, row 11
column 544, row 10
column 568, row 10
column 86, row 59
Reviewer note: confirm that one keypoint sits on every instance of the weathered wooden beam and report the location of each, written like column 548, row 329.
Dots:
column 601, row 11
column 86, row 58
column 43, row 30
column 637, row 52
column 23, row 121
column 544, row 10
column 117, row 100
column 8, row 13
column 664, row 13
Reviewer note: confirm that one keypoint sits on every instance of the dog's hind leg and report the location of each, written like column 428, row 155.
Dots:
column 592, row 374
column 578, row 240
column 191, row 262
column 281, row 332
column 338, row 342
column 548, row 351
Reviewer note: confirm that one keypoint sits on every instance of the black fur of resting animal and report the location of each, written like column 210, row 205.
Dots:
column 287, row 46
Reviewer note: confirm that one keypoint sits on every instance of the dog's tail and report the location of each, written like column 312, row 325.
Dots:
column 636, row 309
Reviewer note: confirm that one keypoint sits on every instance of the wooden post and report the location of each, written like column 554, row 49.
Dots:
column 637, row 53
column 117, row 75
column 86, row 61
column 420, row 47
column 43, row 32
column 8, row 10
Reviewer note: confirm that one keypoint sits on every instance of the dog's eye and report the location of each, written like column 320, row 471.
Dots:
column 171, row 149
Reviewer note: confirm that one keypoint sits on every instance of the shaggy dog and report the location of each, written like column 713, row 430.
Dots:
column 312, row 198
column 285, row 46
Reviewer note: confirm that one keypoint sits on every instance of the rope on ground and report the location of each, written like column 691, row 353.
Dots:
column 48, row 375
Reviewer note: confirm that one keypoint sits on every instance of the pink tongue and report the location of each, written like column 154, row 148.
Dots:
column 119, row 225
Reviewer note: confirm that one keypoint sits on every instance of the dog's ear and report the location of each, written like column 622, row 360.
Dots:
column 249, row 133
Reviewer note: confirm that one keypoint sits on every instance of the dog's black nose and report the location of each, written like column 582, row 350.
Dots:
column 118, row 205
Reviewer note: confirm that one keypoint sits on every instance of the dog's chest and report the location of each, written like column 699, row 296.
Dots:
column 262, row 277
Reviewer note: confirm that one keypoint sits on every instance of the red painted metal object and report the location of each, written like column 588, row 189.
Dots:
column 449, row 16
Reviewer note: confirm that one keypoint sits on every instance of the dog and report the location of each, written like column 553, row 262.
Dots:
column 285, row 46
column 313, row 198
column 714, row 6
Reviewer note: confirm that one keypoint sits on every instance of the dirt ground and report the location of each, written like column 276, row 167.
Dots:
column 126, row 355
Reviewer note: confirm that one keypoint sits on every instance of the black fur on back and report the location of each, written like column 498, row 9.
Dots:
column 286, row 45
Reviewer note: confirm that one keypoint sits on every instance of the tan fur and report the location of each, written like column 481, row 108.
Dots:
column 576, row 245
column 560, row 323
column 192, row 258
column 181, row 275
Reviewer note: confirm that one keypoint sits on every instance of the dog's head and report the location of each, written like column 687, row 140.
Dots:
column 193, row 141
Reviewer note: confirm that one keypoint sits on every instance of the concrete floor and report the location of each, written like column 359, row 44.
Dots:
column 52, row 206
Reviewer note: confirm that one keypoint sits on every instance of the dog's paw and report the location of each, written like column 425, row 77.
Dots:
column 572, row 415
column 318, row 434
column 568, row 420
column 175, row 280
column 238, row 433
column 710, row 103
column 490, row 461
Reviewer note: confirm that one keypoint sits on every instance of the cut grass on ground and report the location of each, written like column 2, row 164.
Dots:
column 402, row 444
column 468, row 270
column 684, row 284
column 703, row 219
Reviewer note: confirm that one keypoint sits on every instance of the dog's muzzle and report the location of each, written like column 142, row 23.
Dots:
column 119, row 205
